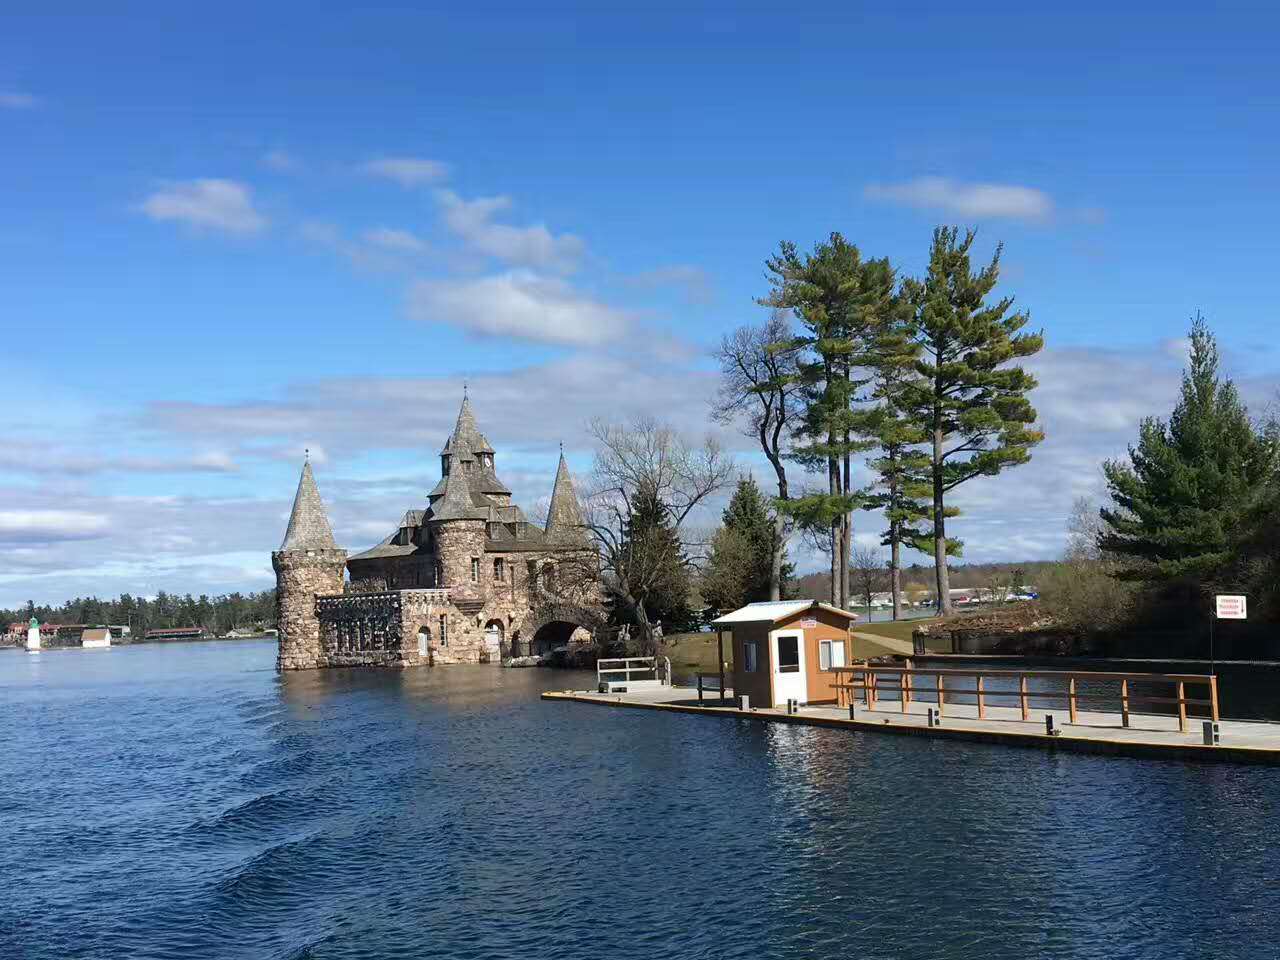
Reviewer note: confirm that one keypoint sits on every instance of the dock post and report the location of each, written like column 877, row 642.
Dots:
column 699, row 688
column 940, row 695
column 1022, row 691
column 1182, row 706
column 982, row 701
column 1213, row 696
column 1071, row 699
column 1124, row 702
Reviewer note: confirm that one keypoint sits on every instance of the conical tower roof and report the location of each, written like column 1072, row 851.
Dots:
column 457, row 502
column 308, row 524
column 466, row 439
column 564, row 517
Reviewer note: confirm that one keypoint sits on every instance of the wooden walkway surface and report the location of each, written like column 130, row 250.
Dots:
column 1149, row 735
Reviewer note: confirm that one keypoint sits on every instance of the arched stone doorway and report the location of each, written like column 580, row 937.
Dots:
column 559, row 625
column 494, row 639
column 424, row 641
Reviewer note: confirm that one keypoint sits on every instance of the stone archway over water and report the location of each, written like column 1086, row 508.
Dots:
column 554, row 626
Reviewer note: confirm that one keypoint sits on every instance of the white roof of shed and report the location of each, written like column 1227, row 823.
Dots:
column 774, row 610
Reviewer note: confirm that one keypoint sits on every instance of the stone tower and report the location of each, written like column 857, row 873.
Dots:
column 308, row 564
column 458, row 526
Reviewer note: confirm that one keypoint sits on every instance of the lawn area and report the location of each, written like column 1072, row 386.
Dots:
column 901, row 630
column 696, row 652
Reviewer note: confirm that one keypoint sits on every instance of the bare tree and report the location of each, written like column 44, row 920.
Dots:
column 869, row 574
column 758, row 367
column 640, row 462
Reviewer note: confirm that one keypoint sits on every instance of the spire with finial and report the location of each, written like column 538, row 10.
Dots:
column 564, row 517
column 308, row 523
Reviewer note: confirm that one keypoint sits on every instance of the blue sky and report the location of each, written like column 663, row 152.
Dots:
column 228, row 235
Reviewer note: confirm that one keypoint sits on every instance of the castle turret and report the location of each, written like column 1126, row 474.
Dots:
column 458, row 526
column 308, row 564
column 564, row 516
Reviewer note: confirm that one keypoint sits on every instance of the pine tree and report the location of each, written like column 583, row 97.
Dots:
column 652, row 545
column 841, row 300
column 972, row 405
column 1181, row 500
column 739, row 570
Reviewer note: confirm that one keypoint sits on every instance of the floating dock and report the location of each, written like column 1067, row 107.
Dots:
column 1147, row 735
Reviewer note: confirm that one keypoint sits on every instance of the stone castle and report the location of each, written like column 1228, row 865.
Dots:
column 468, row 579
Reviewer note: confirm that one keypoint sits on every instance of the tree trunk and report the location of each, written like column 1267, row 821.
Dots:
column 775, row 562
column 895, row 570
column 940, row 531
column 835, row 562
column 846, row 546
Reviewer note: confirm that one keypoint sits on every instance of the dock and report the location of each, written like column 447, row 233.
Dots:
column 1146, row 735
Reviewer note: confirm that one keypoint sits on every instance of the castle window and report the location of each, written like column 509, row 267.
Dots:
column 475, row 569
column 444, row 633
column 499, row 570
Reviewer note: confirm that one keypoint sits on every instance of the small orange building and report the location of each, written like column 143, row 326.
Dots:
column 784, row 650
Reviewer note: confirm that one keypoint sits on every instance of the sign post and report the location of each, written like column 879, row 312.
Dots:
column 1227, row 606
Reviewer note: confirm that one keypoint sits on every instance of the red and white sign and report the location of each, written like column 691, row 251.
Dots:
column 807, row 623
column 1231, row 607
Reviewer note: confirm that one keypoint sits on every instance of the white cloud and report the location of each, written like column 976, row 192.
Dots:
column 281, row 161
column 407, row 171
column 13, row 100
column 518, row 304
column 693, row 282
column 397, row 241
column 206, row 203
column 534, row 246
column 978, row 200
column 43, row 526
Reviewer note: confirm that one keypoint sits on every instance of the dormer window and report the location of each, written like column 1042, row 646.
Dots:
column 444, row 465
column 494, row 530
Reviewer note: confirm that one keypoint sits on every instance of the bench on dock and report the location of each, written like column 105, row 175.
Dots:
column 638, row 673
column 865, row 682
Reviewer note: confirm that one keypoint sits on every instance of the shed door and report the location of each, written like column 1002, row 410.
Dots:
column 787, row 649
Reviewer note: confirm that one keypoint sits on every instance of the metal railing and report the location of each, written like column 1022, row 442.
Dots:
column 870, row 680
column 631, row 666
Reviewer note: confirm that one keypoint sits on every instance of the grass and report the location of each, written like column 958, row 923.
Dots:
column 696, row 652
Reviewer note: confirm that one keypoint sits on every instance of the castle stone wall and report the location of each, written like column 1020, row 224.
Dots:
column 300, row 577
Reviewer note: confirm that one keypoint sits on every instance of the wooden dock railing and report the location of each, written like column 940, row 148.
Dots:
column 865, row 682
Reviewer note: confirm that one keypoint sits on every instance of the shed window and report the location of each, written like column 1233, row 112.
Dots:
column 788, row 654
column 830, row 654
column 749, row 657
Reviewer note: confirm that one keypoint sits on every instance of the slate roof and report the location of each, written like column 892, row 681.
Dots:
column 564, row 516
column 308, row 523
column 458, row 503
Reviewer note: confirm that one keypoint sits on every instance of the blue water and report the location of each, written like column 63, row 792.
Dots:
column 183, row 801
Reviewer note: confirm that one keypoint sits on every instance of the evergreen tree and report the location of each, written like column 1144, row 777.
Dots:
column 1181, row 500
column 653, row 546
column 971, row 404
column 842, row 302
column 739, row 570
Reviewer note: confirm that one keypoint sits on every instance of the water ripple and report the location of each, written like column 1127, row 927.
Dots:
column 184, row 802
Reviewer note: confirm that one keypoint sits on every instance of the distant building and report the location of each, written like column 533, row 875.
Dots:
column 176, row 633
column 96, row 637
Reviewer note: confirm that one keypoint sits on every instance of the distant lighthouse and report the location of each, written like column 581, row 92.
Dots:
column 33, row 636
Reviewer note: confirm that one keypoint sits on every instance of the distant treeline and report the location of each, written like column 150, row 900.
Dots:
column 218, row 615
column 918, row 579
